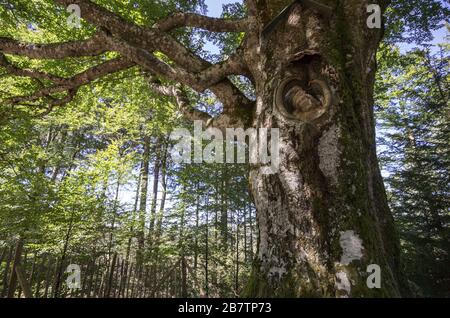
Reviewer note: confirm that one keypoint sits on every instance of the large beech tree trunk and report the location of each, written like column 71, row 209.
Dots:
column 323, row 218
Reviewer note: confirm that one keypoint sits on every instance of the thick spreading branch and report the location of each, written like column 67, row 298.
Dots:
column 182, row 19
column 184, row 105
column 199, row 81
column 91, row 47
column 72, row 84
column 14, row 70
column 53, row 102
column 182, row 100
column 152, row 40
column 137, row 45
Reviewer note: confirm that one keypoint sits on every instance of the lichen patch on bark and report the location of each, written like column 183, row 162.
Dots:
column 352, row 247
column 329, row 153
column 343, row 283
column 277, row 272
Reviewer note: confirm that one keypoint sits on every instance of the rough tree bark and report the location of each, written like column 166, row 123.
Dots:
column 323, row 217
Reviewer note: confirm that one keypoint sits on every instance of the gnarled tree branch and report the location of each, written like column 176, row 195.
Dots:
column 75, row 82
column 181, row 98
column 14, row 70
column 151, row 40
column 137, row 45
column 89, row 47
column 182, row 19
column 183, row 103
column 200, row 81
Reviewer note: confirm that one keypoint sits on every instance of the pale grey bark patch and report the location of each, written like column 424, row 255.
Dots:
column 342, row 282
column 277, row 271
column 261, row 202
column 313, row 31
column 329, row 153
column 352, row 247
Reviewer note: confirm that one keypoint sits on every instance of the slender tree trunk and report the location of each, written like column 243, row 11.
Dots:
column 129, row 281
column 33, row 268
column 135, row 207
column 143, row 200
column 236, row 277
column 48, row 276
column 182, row 247
column 123, row 277
column 60, row 269
column 113, row 223
column 215, row 267
column 156, row 173
column 22, row 278
column 323, row 215
column 23, row 262
column 207, row 253
column 184, row 291
column 224, row 208
column 197, row 220
column 245, row 235
column 153, row 217
column 251, row 231
column 39, row 276
column 110, row 279
column 5, row 273
column 160, row 215
column 13, row 277
column 4, row 252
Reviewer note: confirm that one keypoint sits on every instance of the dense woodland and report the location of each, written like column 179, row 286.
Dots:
column 92, row 182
